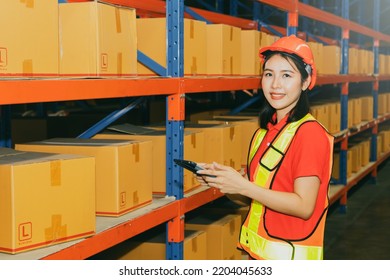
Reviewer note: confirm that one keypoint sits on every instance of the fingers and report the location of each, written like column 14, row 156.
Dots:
column 217, row 166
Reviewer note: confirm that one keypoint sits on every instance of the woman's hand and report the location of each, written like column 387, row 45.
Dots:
column 227, row 179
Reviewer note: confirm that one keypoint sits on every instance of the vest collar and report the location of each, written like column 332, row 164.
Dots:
column 278, row 126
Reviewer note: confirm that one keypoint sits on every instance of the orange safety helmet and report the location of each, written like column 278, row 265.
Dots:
column 293, row 45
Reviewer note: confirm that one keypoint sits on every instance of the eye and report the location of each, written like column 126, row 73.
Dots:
column 267, row 74
column 286, row 75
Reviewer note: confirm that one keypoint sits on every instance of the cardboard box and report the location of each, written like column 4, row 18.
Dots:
column 250, row 45
column 356, row 162
column 382, row 104
column 353, row 55
column 334, row 117
column 147, row 246
column 123, row 180
column 97, row 39
column 385, row 141
column 267, row 39
column 318, row 55
column 193, row 150
column 357, row 111
column 336, row 164
column 222, row 234
column 350, row 113
column 45, row 199
column 365, row 151
column 205, row 115
column 29, row 38
column 225, row 206
column 248, row 128
column 332, row 66
column 222, row 143
column 223, row 49
column 155, row 46
column 379, row 145
column 367, row 108
column 321, row 114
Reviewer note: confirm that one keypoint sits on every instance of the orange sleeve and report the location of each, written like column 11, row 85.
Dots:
column 311, row 151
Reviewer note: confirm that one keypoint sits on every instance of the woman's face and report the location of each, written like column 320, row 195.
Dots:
column 282, row 84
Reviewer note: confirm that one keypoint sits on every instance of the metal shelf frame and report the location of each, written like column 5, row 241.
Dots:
column 174, row 86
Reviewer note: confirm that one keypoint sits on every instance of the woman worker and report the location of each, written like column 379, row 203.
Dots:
column 289, row 162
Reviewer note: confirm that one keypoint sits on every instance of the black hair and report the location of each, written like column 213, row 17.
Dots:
column 301, row 109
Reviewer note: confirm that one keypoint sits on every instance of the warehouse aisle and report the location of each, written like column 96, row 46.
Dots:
column 363, row 232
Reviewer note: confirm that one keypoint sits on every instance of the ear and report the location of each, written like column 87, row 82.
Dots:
column 306, row 83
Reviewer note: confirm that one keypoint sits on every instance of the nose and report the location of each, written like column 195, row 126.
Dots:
column 275, row 82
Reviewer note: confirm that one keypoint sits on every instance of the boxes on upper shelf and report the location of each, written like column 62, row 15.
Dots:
column 318, row 55
column 332, row 66
column 123, row 181
column 45, row 199
column 97, row 39
column 360, row 61
column 29, row 38
column 223, row 49
column 250, row 44
column 154, row 46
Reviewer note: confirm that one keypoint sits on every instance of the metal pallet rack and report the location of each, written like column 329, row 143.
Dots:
column 174, row 86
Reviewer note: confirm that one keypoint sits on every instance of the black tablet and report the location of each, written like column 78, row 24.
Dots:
column 190, row 165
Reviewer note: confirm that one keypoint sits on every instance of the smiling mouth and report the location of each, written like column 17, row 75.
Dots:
column 277, row 96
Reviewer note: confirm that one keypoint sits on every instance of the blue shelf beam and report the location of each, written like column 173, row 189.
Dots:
column 195, row 15
column 151, row 64
column 92, row 131
column 244, row 105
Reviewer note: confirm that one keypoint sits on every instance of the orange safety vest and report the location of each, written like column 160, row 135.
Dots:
column 254, row 238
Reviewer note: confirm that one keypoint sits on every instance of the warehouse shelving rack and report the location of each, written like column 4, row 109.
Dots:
column 174, row 86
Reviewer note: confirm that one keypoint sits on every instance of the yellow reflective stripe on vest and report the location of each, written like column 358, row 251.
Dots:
column 249, row 237
column 256, row 143
column 274, row 250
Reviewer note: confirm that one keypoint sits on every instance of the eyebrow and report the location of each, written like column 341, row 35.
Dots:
column 284, row 71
